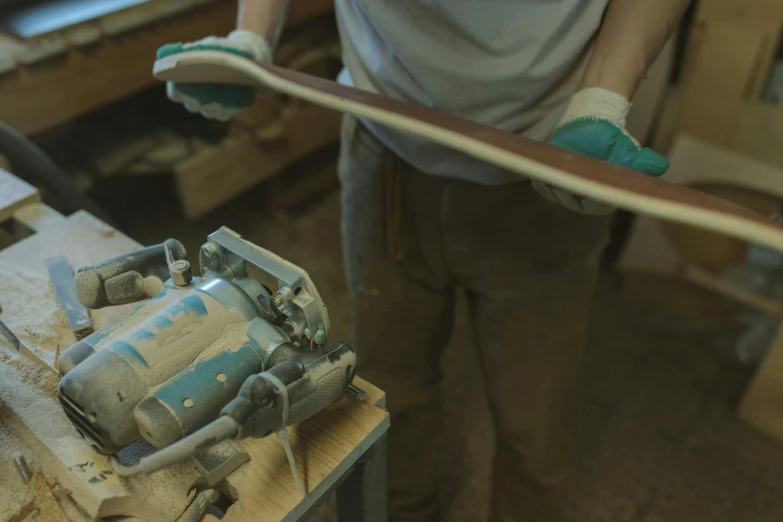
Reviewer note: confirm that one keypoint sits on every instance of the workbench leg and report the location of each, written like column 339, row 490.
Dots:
column 362, row 495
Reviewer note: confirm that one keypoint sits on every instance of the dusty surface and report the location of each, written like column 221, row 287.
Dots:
column 31, row 384
column 39, row 323
column 30, row 391
column 14, row 493
column 658, row 439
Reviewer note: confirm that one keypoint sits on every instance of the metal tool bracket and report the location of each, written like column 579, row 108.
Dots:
column 227, row 255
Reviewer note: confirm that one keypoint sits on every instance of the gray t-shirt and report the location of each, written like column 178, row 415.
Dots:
column 509, row 64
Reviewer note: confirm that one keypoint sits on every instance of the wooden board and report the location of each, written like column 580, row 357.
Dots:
column 15, row 194
column 218, row 173
column 84, row 240
column 586, row 176
column 117, row 65
column 325, row 448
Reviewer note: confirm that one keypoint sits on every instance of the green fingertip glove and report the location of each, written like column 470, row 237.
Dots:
column 594, row 125
column 601, row 139
column 212, row 100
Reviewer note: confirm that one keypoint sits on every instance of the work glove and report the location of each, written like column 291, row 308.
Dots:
column 594, row 125
column 218, row 101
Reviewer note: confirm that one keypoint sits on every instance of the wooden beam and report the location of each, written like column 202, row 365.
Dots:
column 219, row 173
column 40, row 96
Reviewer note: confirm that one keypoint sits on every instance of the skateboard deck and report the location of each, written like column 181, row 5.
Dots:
column 576, row 173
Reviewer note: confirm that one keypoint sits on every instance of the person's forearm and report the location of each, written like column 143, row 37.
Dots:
column 631, row 36
column 265, row 17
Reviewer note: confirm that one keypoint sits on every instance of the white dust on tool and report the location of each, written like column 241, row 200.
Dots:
column 39, row 322
column 232, row 338
column 29, row 391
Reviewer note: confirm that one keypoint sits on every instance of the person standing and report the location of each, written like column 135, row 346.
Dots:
column 421, row 221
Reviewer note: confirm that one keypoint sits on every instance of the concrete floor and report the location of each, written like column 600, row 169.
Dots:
column 658, row 440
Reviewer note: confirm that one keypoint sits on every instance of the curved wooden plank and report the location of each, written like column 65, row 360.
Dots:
column 589, row 177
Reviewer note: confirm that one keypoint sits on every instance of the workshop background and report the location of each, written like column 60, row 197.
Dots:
column 676, row 423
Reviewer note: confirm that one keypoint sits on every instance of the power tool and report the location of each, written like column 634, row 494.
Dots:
column 241, row 351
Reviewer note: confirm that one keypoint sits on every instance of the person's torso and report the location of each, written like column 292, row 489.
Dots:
column 510, row 64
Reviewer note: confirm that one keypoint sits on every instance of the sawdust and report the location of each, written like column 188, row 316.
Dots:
column 152, row 286
column 232, row 338
column 49, row 509
column 27, row 372
column 26, row 387
column 40, row 322
column 173, row 487
column 14, row 493
column 180, row 327
column 29, row 391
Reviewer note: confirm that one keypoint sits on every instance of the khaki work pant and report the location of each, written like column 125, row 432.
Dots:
column 528, row 268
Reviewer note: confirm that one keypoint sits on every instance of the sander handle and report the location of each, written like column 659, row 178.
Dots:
column 120, row 280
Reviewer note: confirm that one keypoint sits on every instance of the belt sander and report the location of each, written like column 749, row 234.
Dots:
column 243, row 350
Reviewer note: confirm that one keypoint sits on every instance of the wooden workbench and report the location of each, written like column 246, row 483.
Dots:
column 52, row 78
column 341, row 447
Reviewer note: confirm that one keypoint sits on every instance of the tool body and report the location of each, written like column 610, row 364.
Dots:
column 241, row 351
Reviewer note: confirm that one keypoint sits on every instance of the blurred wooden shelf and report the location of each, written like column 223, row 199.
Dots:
column 50, row 79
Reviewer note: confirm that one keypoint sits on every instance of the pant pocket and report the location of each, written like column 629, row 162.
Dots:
column 370, row 177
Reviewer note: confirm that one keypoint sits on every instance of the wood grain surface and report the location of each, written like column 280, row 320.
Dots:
column 84, row 240
column 325, row 448
column 586, row 176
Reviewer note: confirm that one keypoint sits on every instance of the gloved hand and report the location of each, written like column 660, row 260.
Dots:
column 594, row 125
column 218, row 101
